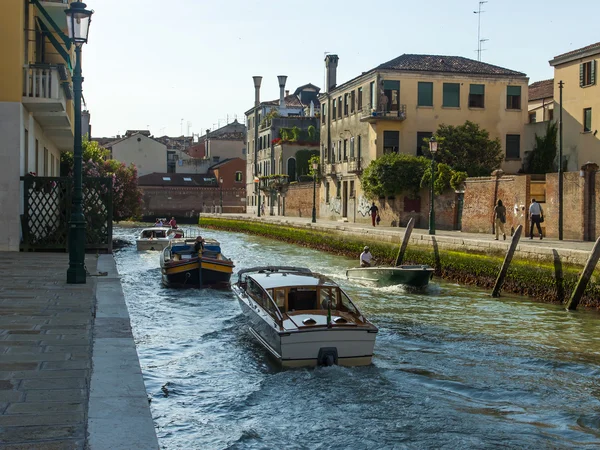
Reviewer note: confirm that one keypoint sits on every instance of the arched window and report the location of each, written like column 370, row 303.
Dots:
column 291, row 169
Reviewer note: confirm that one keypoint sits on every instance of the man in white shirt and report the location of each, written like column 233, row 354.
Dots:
column 365, row 258
column 535, row 215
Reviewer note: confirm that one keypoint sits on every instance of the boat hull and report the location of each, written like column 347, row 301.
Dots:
column 353, row 346
column 415, row 276
column 214, row 273
column 154, row 244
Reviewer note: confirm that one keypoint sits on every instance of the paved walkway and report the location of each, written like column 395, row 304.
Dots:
column 47, row 335
column 570, row 251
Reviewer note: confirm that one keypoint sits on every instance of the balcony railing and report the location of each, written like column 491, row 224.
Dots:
column 370, row 114
column 43, row 85
column 355, row 165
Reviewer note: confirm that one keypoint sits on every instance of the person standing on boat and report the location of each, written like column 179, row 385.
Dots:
column 374, row 211
column 366, row 257
column 199, row 244
column 173, row 223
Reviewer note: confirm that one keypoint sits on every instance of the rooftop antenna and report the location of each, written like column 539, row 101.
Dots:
column 181, row 127
column 189, row 125
column 479, row 40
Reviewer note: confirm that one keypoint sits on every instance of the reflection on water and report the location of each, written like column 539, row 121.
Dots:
column 453, row 368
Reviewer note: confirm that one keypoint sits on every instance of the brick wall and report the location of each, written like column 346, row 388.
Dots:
column 187, row 202
column 481, row 195
column 573, row 205
column 299, row 200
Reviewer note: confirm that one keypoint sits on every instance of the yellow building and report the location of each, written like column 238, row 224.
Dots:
column 541, row 101
column 578, row 70
column 394, row 106
column 36, row 108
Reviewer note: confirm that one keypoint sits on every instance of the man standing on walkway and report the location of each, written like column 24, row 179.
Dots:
column 535, row 216
column 500, row 216
column 373, row 210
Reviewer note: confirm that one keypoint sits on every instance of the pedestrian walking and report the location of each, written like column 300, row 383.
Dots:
column 374, row 211
column 262, row 209
column 500, row 216
column 536, row 217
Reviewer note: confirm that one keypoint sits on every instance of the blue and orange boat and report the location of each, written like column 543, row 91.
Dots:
column 182, row 266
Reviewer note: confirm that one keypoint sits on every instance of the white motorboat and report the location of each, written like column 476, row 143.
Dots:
column 157, row 238
column 304, row 318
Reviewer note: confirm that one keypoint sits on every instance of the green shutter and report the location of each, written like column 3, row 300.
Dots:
column 451, row 95
column 581, row 75
column 593, row 77
column 425, row 94
column 514, row 90
column 477, row 89
column 391, row 85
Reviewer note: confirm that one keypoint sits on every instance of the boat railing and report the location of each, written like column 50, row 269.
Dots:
column 273, row 269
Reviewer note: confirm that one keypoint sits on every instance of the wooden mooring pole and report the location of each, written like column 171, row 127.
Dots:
column 507, row 260
column 409, row 227
column 585, row 277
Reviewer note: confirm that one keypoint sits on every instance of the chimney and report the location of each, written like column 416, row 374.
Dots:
column 287, row 92
column 331, row 62
column 282, row 79
column 257, row 81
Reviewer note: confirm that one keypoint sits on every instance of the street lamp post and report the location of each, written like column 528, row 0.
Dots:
column 433, row 147
column 221, row 192
column 315, row 167
column 78, row 23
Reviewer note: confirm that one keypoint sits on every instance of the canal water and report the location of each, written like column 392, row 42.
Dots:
column 453, row 368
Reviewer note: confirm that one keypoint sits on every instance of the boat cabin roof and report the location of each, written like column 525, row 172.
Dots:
column 156, row 229
column 279, row 280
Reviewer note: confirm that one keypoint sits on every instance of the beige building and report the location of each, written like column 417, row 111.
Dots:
column 578, row 70
column 138, row 148
column 394, row 106
column 36, row 102
column 540, row 106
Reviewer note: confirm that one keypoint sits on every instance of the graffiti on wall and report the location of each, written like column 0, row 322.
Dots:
column 335, row 205
column 364, row 205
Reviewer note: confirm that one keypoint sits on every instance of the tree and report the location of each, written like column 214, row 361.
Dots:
column 542, row 158
column 394, row 173
column 303, row 161
column 445, row 178
column 468, row 148
column 127, row 198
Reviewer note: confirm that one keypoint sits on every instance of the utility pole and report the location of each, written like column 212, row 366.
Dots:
column 479, row 40
column 560, row 163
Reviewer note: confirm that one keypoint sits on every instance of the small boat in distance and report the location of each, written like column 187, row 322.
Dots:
column 413, row 276
column 157, row 238
column 304, row 318
column 182, row 266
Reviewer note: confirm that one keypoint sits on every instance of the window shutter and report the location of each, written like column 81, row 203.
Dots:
column 593, row 77
column 477, row 89
column 580, row 75
column 514, row 90
column 391, row 85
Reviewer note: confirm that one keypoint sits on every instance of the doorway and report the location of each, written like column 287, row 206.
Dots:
column 345, row 200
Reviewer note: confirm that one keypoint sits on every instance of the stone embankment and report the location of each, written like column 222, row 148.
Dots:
column 544, row 270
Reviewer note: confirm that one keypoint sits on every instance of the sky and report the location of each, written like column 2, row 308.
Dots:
column 182, row 66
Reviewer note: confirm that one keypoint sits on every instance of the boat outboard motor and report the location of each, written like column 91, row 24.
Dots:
column 328, row 356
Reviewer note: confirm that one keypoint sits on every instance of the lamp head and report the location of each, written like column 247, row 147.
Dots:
column 78, row 22
column 433, row 145
column 315, row 165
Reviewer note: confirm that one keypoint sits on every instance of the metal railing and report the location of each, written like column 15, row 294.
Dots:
column 380, row 112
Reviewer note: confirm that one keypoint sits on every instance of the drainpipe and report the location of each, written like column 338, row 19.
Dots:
column 257, row 81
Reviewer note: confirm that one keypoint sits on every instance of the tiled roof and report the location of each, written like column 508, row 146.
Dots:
column 580, row 50
column 541, row 89
column 448, row 64
column 177, row 179
column 291, row 101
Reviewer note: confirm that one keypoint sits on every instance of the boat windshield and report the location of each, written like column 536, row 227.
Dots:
column 337, row 299
column 153, row 234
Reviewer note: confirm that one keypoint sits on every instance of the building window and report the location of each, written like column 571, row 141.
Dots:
column 346, row 104
column 373, row 93
column 358, row 147
column 334, row 111
column 587, row 73
column 352, row 193
column 166, row 178
column 477, row 96
column 391, row 96
column 345, row 149
column 351, row 148
column 425, row 93
column 587, row 119
column 339, row 158
column 532, row 117
column 338, row 191
column 513, row 97
column 550, row 114
column 513, row 146
column 451, row 95
column 391, row 142
column 360, row 99
column 339, row 107
column 352, row 100
column 421, row 135
column 291, row 169
column 327, row 192
column 323, row 112
column 238, row 177
column 187, row 179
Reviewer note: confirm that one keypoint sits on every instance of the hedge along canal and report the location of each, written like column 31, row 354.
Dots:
column 541, row 279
